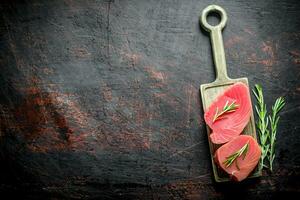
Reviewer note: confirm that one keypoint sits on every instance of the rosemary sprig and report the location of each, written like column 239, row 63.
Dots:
column 262, row 124
column 274, row 118
column 226, row 109
column 267, row 135
column 230, row 159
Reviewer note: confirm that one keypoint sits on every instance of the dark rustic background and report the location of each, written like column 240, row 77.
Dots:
column 100, row 99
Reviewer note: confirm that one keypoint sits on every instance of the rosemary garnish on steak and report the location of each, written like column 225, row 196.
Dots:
column 226, row 109
column 242, row 152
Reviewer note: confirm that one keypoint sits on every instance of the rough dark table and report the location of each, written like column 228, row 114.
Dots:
column 100, row 99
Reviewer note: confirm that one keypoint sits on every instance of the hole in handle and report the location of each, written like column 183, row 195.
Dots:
column 213, row 10
column 213, row 18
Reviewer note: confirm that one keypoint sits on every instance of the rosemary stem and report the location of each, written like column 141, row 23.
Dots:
column 267, row 127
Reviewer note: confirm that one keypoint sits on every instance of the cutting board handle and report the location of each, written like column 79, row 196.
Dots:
column 216, row 40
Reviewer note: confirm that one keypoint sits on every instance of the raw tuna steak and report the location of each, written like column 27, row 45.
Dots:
column 244, row 163
column 230, row 124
